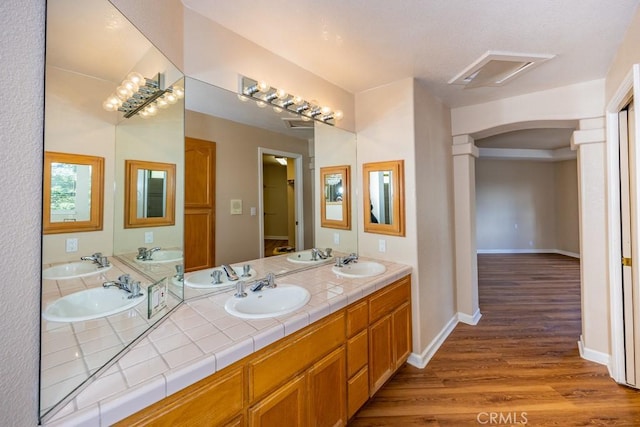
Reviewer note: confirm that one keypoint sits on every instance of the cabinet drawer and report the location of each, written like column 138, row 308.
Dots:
column 388, row 299
column 357, row 352
column 357, row 318
column 357, row 391
column 282, row 363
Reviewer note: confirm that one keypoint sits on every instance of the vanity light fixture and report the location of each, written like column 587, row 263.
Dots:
column 280, row 100
column 139, row 95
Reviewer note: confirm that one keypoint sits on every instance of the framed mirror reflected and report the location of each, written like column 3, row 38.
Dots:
column 73, row 191
column 384, row 204
column 335, row 205
column 150, row 194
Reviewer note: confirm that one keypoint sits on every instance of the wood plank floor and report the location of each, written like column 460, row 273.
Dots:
column 520, row 364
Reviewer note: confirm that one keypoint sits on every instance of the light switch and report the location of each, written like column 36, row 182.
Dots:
column 71, row 245
column 336, row 238
column 236, row 207
column 253, row 211
column 382, row 245
column 148, row 236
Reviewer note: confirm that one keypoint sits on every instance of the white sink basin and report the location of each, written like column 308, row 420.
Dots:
column 204, row 279
column 268, row 302
column 360, row 269
column 303, row 257
column 162, row 256
column 91, row 304
column 73, row 270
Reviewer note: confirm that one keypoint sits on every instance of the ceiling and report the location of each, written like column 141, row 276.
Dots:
column 362, row 44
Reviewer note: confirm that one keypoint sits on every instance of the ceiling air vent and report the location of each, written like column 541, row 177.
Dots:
column 297, row 123
column 497, row 69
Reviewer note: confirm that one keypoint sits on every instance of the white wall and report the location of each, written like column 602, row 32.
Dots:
column 21, row 115
column 526, row 206
column 435, row 300
column 398, row 121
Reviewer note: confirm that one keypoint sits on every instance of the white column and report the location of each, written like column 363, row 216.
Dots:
column 466, row 262
column 589, row 141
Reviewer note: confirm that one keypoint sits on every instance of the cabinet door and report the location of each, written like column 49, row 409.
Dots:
column 381, row 362
column 283, row 407
column 328, row 391
column 401, row 334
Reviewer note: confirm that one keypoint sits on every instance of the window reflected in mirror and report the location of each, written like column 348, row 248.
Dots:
column 149, row 194
column 384, row 198
column 73, row 193
column 334, row 202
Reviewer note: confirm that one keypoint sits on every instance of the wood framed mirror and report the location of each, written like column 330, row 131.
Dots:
column 335, row 206
column 73, row 193
column 384, row 208
column 150, row 194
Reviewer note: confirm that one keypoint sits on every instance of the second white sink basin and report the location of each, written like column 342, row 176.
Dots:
column 91, row 304
column 203, row 279
column 72, row 270
column 268, row 302
column 360, row 269
column 162, row 256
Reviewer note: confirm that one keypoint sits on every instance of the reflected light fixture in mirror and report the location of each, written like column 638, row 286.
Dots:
column 140, row 95
column 264, row 95
column 281, row 160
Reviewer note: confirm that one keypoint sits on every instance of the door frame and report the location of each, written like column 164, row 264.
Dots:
column 629, row 88
column 299, row 208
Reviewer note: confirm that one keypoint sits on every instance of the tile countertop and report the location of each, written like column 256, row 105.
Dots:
column 200, row 338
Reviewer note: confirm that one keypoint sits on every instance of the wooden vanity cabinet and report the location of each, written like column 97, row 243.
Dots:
column 318, row 376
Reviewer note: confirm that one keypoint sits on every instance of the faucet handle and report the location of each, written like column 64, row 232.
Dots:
column 125, row 279
column 339, row 261
column 328, row 252
column 240, row 293
column 271, row 280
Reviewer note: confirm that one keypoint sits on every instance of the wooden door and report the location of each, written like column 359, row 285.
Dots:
column 328, row 391
column 199, row 204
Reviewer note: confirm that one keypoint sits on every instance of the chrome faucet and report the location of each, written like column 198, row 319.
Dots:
column 342, row 261
column 145, row 254
column 349, row 259
column 125, row 283
column 240, row 293
column 98, row 259
column 315, row 253
column 268, row 282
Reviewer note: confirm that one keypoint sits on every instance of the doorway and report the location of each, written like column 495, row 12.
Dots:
column 280, row 202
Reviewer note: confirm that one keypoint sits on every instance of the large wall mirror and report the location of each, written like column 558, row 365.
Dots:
column 383, row 184
column 247, row 142
column 86, row 147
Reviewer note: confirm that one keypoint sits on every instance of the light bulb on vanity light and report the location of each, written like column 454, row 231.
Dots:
column 338, row 115
column 262, row 86
column 178, row 91
column 124, row 92
column 136, row 78
column 162, row 102
column 171, row 98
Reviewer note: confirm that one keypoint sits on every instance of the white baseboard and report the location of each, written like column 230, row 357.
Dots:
column 593, row 355
column 421, row 360
column 528, row 251
column 470, row 320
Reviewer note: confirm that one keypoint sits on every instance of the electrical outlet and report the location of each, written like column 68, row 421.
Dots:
column 71, row 245
column 336, row 238
column 382, row 245
column 148, row 236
